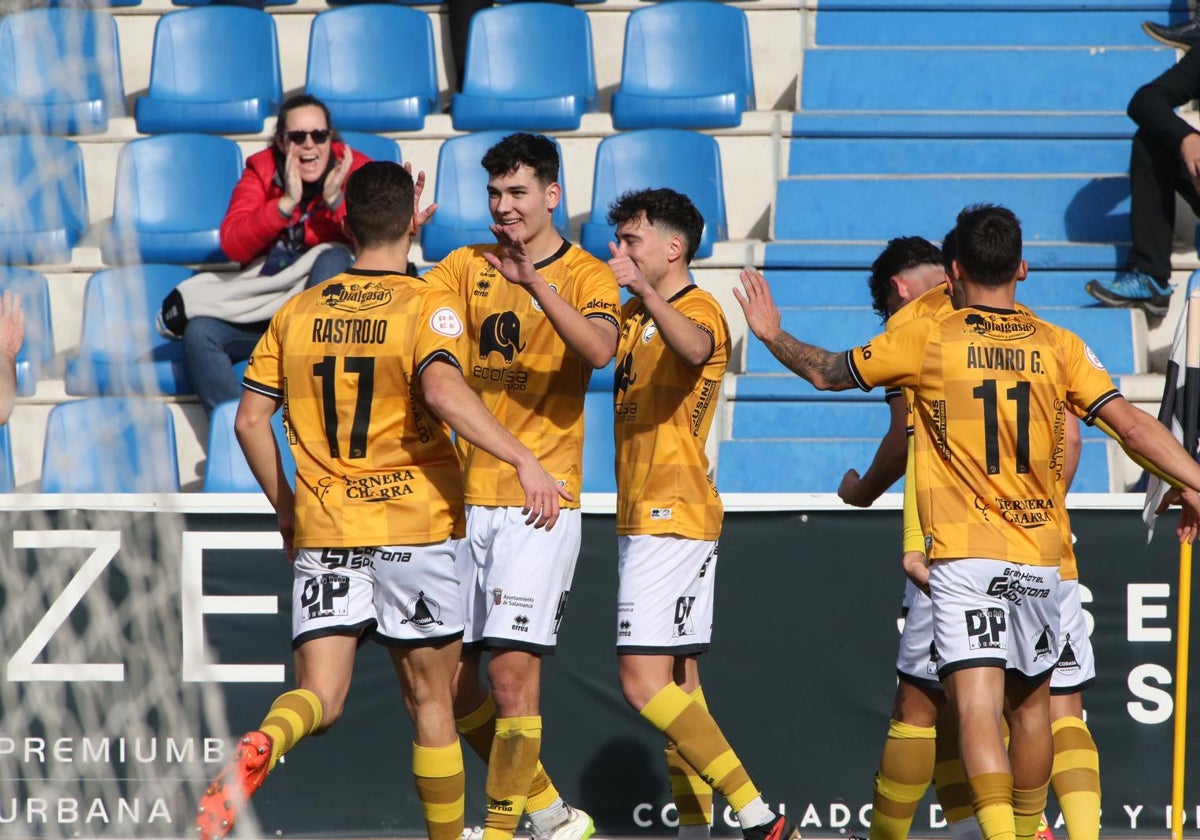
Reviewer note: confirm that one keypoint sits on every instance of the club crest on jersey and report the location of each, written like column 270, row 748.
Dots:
column 355, row 297
column 649, row 333
column 999, row 327
column 537, row 305
column 423, row 612
column 1093, row 358
column 500, row 333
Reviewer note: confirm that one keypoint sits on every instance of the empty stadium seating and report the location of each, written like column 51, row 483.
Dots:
column 225, row 467
column 35, row 359
column 60, row 71
column 172, row 193
column 8, row 481
column 134, row 358
column 686, row 65
column 546, row 88
column 215, row 69
column 373, row 65
column 43, row 198
column 463, row 217
column 372, row 145
column 110, row 445
column 686, row 161
column 599, row 449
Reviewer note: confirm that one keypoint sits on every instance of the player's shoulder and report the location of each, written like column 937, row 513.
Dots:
column 934, row 302
column 693, row 299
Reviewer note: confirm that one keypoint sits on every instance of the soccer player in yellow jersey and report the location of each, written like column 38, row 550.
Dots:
column 991, row 387
column 541, row 314
column 369, row 368
column 673, row 352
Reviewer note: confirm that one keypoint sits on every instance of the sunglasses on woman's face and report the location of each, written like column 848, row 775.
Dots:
column 319, row 136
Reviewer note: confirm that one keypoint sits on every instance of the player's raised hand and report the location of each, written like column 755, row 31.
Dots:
column 293, row 184
column 762, row 315
column 12, row 324
column 848, row 490
column 419, row 217
column 335, row 180
column 628, row 275
column 542, row 494
column 513, row 260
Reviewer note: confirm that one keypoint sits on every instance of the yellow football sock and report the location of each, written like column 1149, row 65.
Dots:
column 692, row 795
column 904, row 773
column 511, row 764
column 1076, row 778
column 701, row 743
column 292, row 717
column 949, row 777
column 992, row 794
column 478, row 728
column 441, row 787
column 1028, row 806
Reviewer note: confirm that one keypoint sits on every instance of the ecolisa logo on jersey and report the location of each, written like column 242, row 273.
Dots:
column 999, row 327
column 355, row 297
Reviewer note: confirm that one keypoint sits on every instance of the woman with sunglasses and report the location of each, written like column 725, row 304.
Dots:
column 289, row 199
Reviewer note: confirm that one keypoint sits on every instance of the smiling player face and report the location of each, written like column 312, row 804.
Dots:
column 312, row 157
column 520, row 203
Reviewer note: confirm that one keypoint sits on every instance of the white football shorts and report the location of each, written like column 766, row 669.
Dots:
column 417, row 598
column 333, row 593
column 665, row 594
column 1076, row 666
column 917, row 660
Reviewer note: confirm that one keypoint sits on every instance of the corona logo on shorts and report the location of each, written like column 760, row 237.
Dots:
column 424, row 613
column 500, row 333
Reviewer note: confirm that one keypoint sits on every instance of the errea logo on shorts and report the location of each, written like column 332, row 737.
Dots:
column 660, row 513
column 446, row 322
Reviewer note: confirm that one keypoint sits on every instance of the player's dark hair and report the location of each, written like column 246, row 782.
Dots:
column 987, row 238
column 949, row 252
column 379, row 203
column 663, row 208
column 536, row 151
column 901, row 254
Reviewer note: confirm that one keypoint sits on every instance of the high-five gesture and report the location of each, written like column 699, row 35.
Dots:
column 513, row 261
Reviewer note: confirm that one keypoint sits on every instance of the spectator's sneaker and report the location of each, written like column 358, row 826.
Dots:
column 577, row 826
column 1043, row 830
column 476, row 833
column 1132, row 289
column 1182, row 35
column 777, row 829
column 232, row 789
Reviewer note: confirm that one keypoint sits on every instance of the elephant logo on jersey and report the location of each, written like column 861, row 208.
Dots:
column 683, row 616
column 501, row 333
column 622, row 377
column 423, row 612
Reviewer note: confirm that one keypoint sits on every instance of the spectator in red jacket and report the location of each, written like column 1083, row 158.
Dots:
column 288, row 200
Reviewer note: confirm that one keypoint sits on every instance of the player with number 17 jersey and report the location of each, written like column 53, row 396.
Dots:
column 374, row 467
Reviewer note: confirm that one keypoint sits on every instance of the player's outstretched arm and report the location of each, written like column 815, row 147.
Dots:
column 886, row 467
column 12, row 334
column 825, row 370
column 1143, row 435
column 452, row 400
column 253, row 428
column 592, row 339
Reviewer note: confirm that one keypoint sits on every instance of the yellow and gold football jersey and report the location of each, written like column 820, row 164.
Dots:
column 520, row 366
column 991, row 391
column 664, row 410
column 373, row 465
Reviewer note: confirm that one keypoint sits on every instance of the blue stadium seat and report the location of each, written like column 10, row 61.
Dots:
column 44, row 212
column 548, row 88
column 599, row 448
column 463, row 217
column 372, row 145
column 35, row 360
column 60, row 71
column 121, row 352
column 686, row 65
column 961, row 26
column 685, row 161
column 866, row 416
column 1069, row 222
column 172, row 193
column 8, row 479
column 110, row 445
column 215, row 69
column 373, row 65
column 226, row 470
column 214, row 2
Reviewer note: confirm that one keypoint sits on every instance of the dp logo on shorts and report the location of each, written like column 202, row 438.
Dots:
column 986, row 628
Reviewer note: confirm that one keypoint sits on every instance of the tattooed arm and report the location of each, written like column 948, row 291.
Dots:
column 825, row 370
